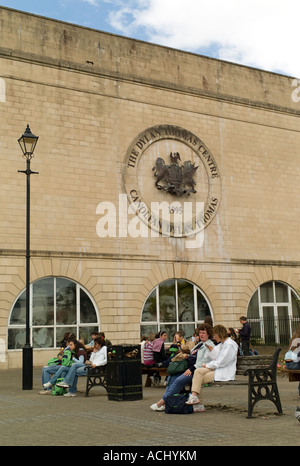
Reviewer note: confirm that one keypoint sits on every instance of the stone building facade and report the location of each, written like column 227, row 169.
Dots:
column 164, row 176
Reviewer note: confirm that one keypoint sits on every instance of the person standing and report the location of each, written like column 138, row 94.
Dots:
column 244, row 334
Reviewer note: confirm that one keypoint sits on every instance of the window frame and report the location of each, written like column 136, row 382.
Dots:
column 275, row 304
column 78, row 325
column 162, row 324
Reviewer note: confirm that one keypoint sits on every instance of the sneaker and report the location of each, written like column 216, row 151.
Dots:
column 62, row 384
column 154, row 407
column 47, row 385
column 198, row 408
column 45, row 392
column 70, row 394
column 193, row 400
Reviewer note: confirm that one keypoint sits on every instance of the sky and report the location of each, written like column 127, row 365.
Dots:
column 258, row 33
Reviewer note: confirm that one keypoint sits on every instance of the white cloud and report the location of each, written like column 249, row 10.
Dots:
column 92, row 2
column 259, row 33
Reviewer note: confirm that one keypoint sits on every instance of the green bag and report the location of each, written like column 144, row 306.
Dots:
column 59, row 391
column 67, row 358
column 53, row 362
column 177, row 367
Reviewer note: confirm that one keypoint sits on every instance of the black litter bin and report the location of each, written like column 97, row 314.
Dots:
column 124, row 372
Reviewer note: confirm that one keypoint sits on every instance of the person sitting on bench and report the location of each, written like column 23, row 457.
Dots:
column 222, row 366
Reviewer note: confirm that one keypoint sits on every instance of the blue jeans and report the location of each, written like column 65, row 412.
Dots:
column 176, row 383
column 47, row 372
column 61, row 373
column 76, row 370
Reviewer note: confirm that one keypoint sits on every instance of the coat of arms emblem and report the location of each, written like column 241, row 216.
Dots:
column 174, row 178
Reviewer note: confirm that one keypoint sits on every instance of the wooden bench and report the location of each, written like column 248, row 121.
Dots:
column 294, row 374
column 150, row 371
column 262, row 379
column 97, row 377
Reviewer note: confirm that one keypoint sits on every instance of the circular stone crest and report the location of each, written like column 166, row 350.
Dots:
column 172, row 181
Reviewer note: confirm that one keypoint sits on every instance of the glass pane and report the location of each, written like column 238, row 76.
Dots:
column 266, row 293
column 203, row 308
column 149, row 330
column 171, row 330
column 65, row 301
column 60, row 333
column 87, row 311
column 149, row 311
column 167, row 305
column 43, row 302
column 16, row 338
column 85, row 333
column 269, row 324
column 42, row 337
column 188, row 330
column 253, row 308
column 18, row 315
column 185, row 301
column 281, row 292
column 295, row 305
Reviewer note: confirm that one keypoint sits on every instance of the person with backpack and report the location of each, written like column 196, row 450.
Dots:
column 98, row 357
column 74, row 353
column 54, row 364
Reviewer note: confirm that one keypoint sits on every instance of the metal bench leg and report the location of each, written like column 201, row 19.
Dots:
column 255, row 394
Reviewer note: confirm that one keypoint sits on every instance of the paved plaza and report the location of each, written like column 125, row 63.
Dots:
column 28, row 418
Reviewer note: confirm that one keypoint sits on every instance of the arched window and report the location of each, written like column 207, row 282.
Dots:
column 273, row 313
column 57, row 305
column 174, row 305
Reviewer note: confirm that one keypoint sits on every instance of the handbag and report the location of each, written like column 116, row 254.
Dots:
column 177, row 367
column 291, row 356
column 176, row 404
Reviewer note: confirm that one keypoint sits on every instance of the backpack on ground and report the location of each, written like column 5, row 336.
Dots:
column 58, row 391
column 176, row 404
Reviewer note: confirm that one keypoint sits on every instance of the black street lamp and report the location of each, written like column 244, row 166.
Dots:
column 27, row 143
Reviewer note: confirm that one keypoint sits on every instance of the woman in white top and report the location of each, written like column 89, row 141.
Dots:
column 98, row 356
column 221, row 367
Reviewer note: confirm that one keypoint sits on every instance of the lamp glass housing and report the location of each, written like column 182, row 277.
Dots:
column 27, row 143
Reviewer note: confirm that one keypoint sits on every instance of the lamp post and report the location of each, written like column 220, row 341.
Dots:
column 27, row 143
